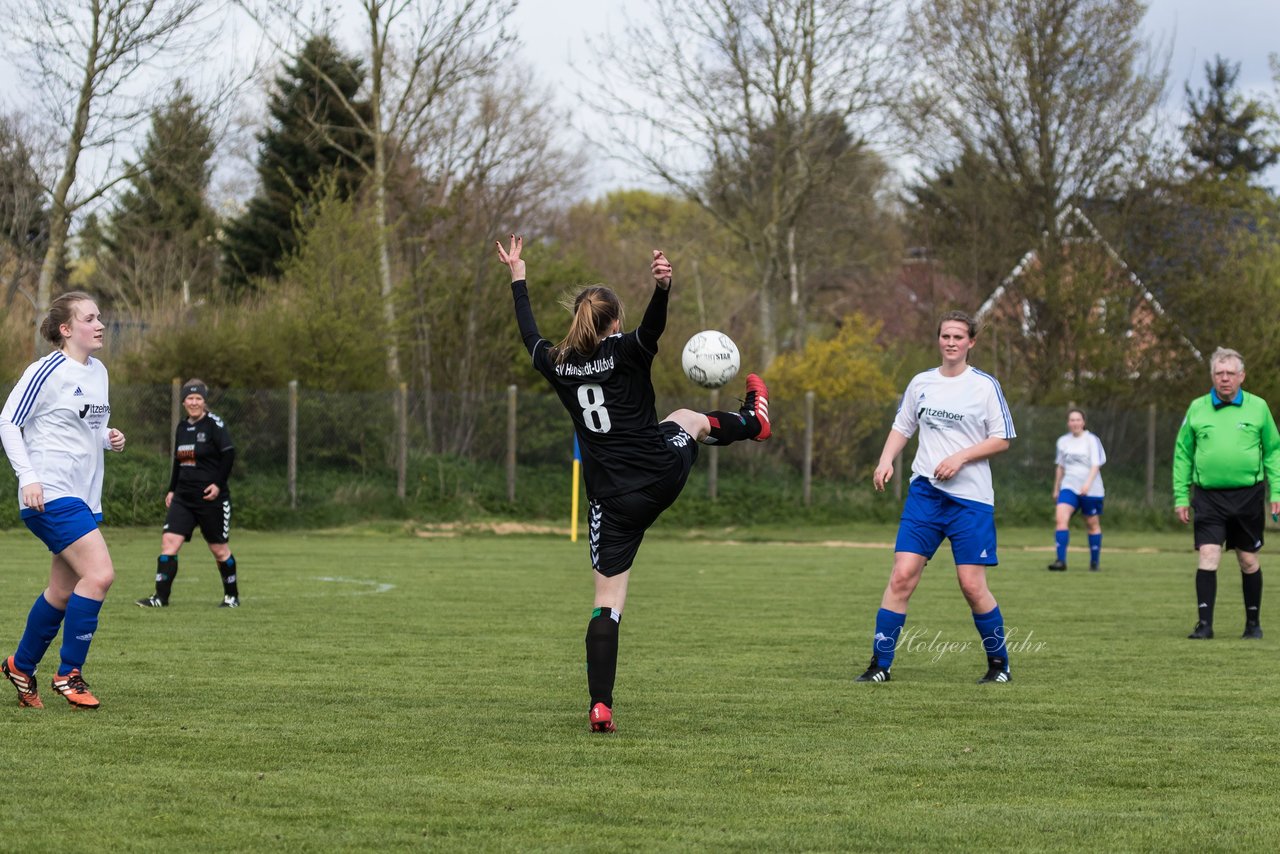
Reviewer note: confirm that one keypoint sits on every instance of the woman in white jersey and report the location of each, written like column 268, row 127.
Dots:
column 963, row 420
column 54, row 428
column 1077, row 485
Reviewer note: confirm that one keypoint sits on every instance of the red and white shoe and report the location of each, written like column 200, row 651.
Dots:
column 75, row 689
column 28, row 694
column 602, row 718
column 757, row 400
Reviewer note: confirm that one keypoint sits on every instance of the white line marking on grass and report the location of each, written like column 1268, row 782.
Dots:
column 378, row 586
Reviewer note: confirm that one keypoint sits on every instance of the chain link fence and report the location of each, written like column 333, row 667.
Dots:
column 837, row 441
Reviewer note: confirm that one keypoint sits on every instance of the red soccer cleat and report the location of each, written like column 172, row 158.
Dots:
column 602, row 718
column 758, row 401
column 28, row 694
column 73, row 687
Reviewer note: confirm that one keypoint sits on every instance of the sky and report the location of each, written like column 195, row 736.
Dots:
column 557, row 34
column 560, row 40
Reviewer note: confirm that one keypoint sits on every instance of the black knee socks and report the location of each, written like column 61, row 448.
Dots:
column 1252, row 583
column 1206, row 592
column 166, row 570
column 602, row 654
column 227, row 569
column 730, row 427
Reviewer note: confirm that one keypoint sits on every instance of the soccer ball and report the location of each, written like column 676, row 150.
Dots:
column 710, row 359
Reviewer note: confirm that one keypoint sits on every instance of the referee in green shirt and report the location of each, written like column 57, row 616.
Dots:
column 1228, row 450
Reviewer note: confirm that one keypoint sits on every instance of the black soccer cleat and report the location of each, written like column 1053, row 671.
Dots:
column 997, row 671
column 1202, row 631
column 1057, row 566
column 1095, row 567
column 152, row 601
column 1252, row 631
column 874, row 672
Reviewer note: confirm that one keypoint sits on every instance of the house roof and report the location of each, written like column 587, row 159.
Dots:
column 1071, row 219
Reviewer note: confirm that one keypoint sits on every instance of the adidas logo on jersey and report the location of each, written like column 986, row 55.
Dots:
column 77, row 392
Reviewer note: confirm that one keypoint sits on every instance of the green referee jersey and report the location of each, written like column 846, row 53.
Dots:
column 1227, row 446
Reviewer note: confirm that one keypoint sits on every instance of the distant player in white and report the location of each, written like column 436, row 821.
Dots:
column 1077, row 485
column 963, row 420
column 54, row 429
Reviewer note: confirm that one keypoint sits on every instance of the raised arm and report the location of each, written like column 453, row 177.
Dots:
column 510, row 256
column 654, row 321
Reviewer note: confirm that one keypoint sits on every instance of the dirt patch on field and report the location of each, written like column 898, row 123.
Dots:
column 446, row 530
column 455, row 529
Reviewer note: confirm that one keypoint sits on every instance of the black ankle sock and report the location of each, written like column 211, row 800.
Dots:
column 602, row 655
column 1252, row 583
column 1206, row 592
column 227, row 570
column 730, row 427
column 166, row 570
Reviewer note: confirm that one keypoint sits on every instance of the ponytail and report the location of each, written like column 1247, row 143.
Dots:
column 594, row 309
column 60, row 313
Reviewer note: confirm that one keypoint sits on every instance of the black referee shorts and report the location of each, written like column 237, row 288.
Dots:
column 616, row 525
column 213, row 517
column 1236, row 517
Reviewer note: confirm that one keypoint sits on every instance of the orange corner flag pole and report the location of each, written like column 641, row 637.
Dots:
column 577, row 471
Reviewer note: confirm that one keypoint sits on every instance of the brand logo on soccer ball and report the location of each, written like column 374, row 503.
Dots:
column 710, row 359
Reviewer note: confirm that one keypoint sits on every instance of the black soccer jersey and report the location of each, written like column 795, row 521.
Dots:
column 610, row 397
column 204, row 455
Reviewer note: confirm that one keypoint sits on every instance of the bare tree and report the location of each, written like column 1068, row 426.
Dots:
column 1047, row 105
column 497, row 164
column 87, row 59
column 745, row 106
column 1056, row 94
column 417, row 51
column 24, row 220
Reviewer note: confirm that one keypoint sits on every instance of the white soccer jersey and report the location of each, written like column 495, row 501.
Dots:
column 54, row 427
column 1077, row 455
column 954, row 413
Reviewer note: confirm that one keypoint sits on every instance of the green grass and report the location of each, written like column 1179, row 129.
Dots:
column 449, row 712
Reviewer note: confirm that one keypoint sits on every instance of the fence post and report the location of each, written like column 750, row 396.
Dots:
column 175, row 413
column 808, row 448
column 1151, row 454
column 713, row 457
column 293, row 444
column 402, row 430
column 511, row 444
column 898, row 476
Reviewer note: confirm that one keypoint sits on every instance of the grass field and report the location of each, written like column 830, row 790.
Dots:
column 379, row 691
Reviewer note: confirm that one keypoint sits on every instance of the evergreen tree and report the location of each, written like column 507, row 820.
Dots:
column 1223, row 136
column 157, row 242
column 312, row 135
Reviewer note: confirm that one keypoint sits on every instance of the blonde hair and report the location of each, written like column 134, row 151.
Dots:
column 60, row 313
column 594, row 309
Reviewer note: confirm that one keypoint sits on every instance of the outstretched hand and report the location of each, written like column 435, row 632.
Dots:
column 511, row 257
column 661, row 268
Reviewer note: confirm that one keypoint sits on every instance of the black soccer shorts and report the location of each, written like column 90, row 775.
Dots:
column 616, row 525
column 1236, row 517
column 213, row 517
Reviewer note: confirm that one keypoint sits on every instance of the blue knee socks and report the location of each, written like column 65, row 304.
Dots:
column 991, row 627
column 42, row 627
column 1095, row 549
column 77, row 632
column 888, row 627
column 1062, row 538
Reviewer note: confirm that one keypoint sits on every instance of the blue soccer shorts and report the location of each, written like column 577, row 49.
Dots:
column 63, row 521
column 931, row 515
column 1087, row 505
